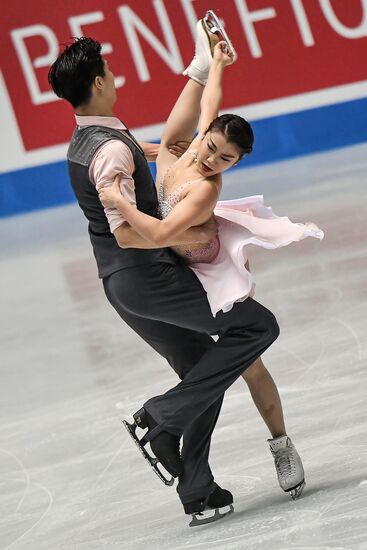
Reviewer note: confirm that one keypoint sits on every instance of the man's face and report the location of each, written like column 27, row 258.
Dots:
column 109, row 91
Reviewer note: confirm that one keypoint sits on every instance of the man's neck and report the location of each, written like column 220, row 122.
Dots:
column 91, row 110
column 94, row 113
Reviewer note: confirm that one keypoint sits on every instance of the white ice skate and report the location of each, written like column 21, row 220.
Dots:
column 288, row 465
column 209, row 31
column 216, row 26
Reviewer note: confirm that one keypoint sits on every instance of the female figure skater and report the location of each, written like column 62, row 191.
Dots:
column 188, row 190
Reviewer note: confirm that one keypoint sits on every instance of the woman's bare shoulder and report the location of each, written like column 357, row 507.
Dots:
column 206, row 189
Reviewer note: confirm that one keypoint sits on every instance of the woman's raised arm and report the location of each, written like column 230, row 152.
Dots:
column 213, row 91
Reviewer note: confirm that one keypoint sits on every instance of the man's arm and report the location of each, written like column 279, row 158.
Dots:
column 127, row 237
column 112, row 159
column 151, row 149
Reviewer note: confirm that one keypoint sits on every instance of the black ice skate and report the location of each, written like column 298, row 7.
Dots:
column 217, row 505
column 215, row 25
column 165, row 446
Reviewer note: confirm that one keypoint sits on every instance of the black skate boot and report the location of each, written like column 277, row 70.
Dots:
column 217, row 505
column 165, row 446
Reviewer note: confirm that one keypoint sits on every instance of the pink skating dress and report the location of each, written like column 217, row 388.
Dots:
column 193, row 252
column 220, row 264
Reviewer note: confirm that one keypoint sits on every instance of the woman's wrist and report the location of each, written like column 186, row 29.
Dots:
column 120, row 204
column 217, row 63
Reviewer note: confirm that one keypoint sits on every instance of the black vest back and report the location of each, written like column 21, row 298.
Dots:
column 109, row 256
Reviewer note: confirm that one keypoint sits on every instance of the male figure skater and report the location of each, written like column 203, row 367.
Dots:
column 153, row 292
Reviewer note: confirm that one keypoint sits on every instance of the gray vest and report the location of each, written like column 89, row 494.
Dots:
column 109, row 256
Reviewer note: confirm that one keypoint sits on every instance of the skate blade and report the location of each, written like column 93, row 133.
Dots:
column 297, row 491
column 212, row 36
column 152, row 460
column 208, row 516
column 214, row 25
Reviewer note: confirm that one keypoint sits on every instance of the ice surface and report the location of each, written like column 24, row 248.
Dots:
column 70, row 477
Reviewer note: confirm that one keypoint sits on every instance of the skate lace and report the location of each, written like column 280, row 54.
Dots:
column 285, row 463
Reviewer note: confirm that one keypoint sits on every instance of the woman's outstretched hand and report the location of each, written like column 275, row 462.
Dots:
column 110, row 196
column 222, row 54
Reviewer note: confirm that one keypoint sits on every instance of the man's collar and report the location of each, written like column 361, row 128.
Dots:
column 108, row 121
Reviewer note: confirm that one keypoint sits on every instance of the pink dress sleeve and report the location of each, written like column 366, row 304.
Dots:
column 112, row 159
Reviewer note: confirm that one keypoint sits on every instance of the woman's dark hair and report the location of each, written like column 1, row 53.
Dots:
column 236, row 129
column 72, row 74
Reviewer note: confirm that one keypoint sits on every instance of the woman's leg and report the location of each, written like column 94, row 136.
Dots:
column 288, row 464
column 266, row 397
column 184, row 117
column 181, row 124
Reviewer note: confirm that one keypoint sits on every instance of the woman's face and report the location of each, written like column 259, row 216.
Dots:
column 216, row 154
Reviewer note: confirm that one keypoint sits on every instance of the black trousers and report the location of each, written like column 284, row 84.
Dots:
column 166, row 305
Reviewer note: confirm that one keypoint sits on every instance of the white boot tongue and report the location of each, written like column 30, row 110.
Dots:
column 279, row 443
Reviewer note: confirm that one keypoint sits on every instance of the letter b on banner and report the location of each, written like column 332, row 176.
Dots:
column 18, row 36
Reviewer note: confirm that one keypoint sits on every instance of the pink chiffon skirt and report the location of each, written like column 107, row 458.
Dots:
column 244, row 222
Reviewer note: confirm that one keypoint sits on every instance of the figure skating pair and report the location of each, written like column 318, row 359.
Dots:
column 212, row 40
column 149, row 266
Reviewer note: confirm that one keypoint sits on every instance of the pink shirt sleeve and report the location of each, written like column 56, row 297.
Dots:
column 113, row 158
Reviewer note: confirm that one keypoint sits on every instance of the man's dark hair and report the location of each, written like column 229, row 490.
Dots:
column 72, row 74
column 236, row 129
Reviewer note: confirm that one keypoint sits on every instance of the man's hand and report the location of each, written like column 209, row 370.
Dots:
column 179, row 148
column 206, row 232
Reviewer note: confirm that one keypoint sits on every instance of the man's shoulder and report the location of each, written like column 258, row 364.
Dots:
column 91, row 142
column 115, row 148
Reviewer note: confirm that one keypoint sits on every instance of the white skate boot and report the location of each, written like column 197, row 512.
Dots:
column 216, row 25
column 209, row 31
column 288, row 465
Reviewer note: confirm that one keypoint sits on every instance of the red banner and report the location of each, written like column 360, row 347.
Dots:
column 285, row 47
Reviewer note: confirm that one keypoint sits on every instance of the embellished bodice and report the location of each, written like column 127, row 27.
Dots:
column 166, row 204
column 167, row 200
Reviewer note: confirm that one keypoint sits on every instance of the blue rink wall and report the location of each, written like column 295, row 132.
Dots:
column 276, row 138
